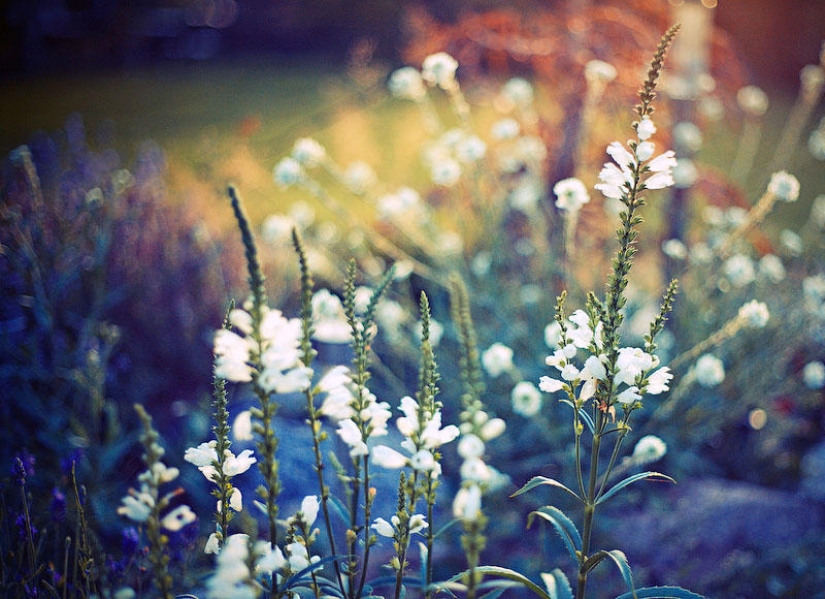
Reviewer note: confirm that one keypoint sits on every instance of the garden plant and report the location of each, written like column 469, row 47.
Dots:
column 409, row 467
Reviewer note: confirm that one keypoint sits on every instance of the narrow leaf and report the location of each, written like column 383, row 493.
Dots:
column 513, row 575
column 620, row 559
column 632, row 479
column 557, row 584
column 563, row 525
column 543, row 480
column 661, row 593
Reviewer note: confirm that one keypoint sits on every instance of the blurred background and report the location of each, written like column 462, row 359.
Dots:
column 137, row 114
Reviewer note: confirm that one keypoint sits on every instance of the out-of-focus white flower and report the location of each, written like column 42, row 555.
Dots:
column 309, row 509
column 771, row 268
column 505, row 129
column 813, row 294
column 467, row 502
column 739, row 270
column 242, row 426
column 571, row 194
column 470, row 446
column 818, row 211
column 813, row 374
column 406, row 83
column 445, row 172
column 526, row 399
column 755, row 314
column 330, row 322
column 552, row 335
column 387, row 457
column 674, row 248
column 178, row 518
column 439, row 69
column 497, row 359
column 687, row 137
column 791, row 241
column 232, row 573
column 267, row 558
column 213, row 544
column 648, row 449
column 359, row 177
column 709, row 370
column 685, row 173
column 470, row 149
column 752, row 100
column 811, row 77
column 288, row 172
column 599, row 71
column 784, row 186
column 519, row 91
column 136, row 506
column 816, row 141
column 277, row 229
column 308, row 152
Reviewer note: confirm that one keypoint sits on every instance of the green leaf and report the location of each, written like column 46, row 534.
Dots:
column 515, row 576
column 620, row 559
column 543, row 480
column 557, row 584
column 563, row 525
column 632, row 479
column 661, row 593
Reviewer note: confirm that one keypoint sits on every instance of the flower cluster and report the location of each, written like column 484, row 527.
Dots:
column 634, row 373
column 277, row 349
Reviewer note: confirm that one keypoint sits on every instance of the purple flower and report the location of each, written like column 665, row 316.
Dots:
column 130, row 540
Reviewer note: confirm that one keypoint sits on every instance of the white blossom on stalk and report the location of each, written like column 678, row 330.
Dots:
column 648, row 449
column 439, row 69
column 709, row 370
column 752, row 100
column 406, row 83
column 288, row 172
column 526, row 399
column 571, row 195
column 467, row 502
column 232, row 578
column 813, row 375
column 308, row 152
column 599, row 71
column 519, row 91
column 497, row 359
column 784, row 186
column 755, row 314
column 178, row 518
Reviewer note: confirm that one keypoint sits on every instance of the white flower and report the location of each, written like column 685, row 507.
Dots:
column 351, row 435
column 439, row 69
column 519, row 91
column 582, row 335
column 645, row 128
column 277, row 229
column 771, row 268
column 359, row 177
column 687, row 136
column 242, row 426
column 571, row 194
column 423, row 461
column 648, row 450
column 658, row 381
column 784, row 186
column 235, row 500
column 298, row 556
column 709, row 370
column 791, row 241
column 752, row 100
column 755, row 314
column 818, row 206
column 202, row 455
column 309, row 509
column 739, row 270
column 231, row 357
column 526, row 399
column 445, row 172
column 685, row 173
column 491, row 429
column 505, row 129
column 213, row 544
column 497, row 359
column 470, row 446
column 383, row 528
column 631, row 363
column 675, row 249
column 470, row 149
column 267, row 558
column 629, row 395
column 661, row 167
column 475, row 470
column 552, row 335
column 136, row 506
column 387, row 457
column 308, row 152
column 234, row 465
column 813, row 374
column 288, row 172
column 406, row 83
column 550, row 385
column 467, row 502
column 178, row 518
column 599, row 71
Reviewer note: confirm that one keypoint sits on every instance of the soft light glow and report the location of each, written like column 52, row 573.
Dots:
column 758, row 418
